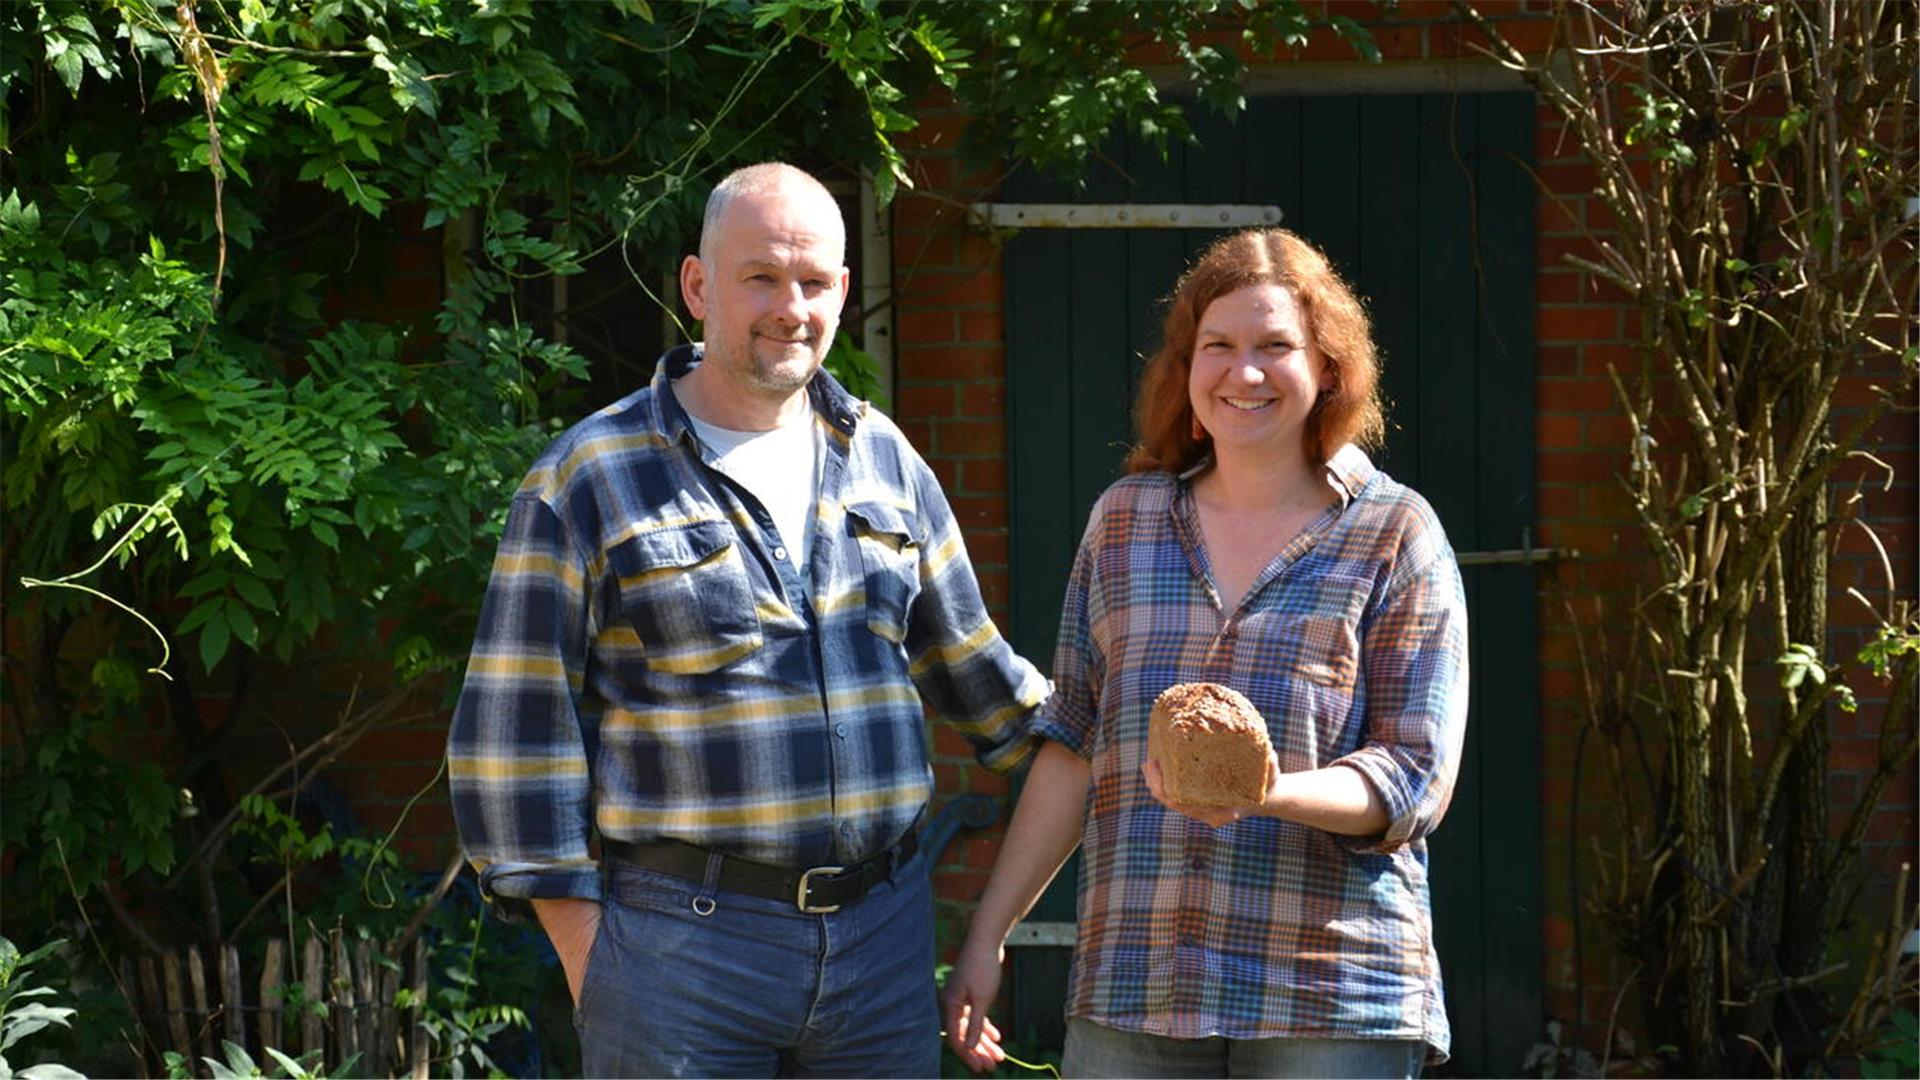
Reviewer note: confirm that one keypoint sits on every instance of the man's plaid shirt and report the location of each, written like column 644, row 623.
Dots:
column 650, row 664
column 1353, row 644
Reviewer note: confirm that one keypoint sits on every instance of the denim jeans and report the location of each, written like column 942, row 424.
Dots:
column 1094, row 1050
column 755, row 988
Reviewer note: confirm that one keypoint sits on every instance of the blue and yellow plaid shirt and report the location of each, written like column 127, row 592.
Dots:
column 651, row 665
column 1353, row 644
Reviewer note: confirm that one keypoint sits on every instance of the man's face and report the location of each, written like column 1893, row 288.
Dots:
column 769, row 286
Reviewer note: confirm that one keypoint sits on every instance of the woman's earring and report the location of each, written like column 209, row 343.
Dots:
column 1199, row 433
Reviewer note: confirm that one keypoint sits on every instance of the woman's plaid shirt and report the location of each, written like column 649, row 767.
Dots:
column 650, row 664
column 1353, row 644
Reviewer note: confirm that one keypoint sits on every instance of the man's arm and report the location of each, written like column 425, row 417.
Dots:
column 517, row 755
column 964, row 669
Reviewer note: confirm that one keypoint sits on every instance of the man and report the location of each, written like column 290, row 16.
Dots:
column 712, row 608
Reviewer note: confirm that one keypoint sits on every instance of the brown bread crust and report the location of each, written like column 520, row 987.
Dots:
column 1211, row 744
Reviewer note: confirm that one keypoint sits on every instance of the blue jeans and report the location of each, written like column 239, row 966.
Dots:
column 1094, row 1050
column 755, row 988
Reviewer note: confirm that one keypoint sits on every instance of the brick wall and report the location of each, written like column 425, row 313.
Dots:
column 951, row 378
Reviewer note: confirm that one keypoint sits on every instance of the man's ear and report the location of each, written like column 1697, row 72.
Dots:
column 846, row 281
column 693, row 286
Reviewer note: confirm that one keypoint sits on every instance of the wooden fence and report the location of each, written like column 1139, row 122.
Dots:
column 186, row 1004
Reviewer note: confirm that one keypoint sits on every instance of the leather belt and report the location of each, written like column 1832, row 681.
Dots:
column 815, row 891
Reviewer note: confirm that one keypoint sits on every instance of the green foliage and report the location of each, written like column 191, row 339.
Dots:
column 20, row 1018
column 465, row 1010
column 239, row 1065
column 1898, row 1054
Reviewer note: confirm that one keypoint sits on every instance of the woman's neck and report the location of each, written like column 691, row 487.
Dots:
column 1237, row 484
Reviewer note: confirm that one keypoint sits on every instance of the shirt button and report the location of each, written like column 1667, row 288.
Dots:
column 846, row 828
column 840, row 730
column 780, row 553
column 1198, row 864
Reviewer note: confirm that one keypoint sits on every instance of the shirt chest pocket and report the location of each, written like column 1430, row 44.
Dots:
column 1317, row 650
column 889, row 565
column 687, row 594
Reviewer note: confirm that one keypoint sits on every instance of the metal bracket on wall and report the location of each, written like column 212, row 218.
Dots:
column 1525, row 553
column 1123, row 215
column 1043, row 933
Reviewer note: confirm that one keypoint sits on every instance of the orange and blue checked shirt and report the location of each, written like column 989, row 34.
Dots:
column 651, row 665
column 1353, row 644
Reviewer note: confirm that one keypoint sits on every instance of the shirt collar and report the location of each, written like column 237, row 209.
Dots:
column 1348, row 470
column 829, row 399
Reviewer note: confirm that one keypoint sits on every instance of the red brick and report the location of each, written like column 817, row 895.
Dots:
column 1597, row 358
column 1558, row 359
column 946, row 778
column 1560, row 501
column 975, row 511
column 1560, row 287
column 1574, row 176
column 940, row 287
column 924, row 401
column 913, row 212
column 1891, row 825
column 983, row 326
column 1609, row 431
column 1398, row 41
column 1561, row 684
column 933, row 130
column 920, row 327
column 984, row 399
column 981, row 851
column 971, row 437
column 1575, row 395
column 1579, row 468
column 1558, row 215
column 950, row 743
column 1552, row 249
column 984, row 476
column 1577, row 324
column 919, row 433
column 931, row 171
column 964, row 886
column 1552, row 140
column 954, row 362
column 1559, row 431
column 946, row 470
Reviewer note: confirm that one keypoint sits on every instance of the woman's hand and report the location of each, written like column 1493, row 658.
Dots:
column 1213, row 816
column 971, row 987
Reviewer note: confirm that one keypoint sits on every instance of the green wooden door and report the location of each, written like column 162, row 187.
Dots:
column 1425, row 204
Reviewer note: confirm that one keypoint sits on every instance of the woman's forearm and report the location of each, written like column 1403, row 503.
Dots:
column 1335, row 799
column 1046, row 828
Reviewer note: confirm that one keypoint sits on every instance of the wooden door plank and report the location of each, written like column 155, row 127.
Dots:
column 1388, row 274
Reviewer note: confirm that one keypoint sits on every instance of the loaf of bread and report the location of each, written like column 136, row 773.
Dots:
column 1211, row 744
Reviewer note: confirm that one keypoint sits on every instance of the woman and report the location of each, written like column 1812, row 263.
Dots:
column 1252, row 544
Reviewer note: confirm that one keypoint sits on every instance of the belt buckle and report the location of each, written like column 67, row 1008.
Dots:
column 806, row 885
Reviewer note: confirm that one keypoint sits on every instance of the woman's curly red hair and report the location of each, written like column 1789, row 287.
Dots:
column 1348, row 410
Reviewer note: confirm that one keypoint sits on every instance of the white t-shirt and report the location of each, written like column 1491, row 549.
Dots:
column 780, row 467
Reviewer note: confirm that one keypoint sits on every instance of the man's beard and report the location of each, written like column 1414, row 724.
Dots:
column 782, row 376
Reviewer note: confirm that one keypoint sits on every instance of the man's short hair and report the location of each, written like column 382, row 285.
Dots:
column 754, row 179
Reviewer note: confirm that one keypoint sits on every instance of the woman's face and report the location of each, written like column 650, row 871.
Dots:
column 1255, row 373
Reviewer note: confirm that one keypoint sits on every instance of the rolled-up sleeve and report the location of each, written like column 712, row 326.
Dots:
column 964, row 669
column 1414, row 659
column 517, row 755
column 1070, row 717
